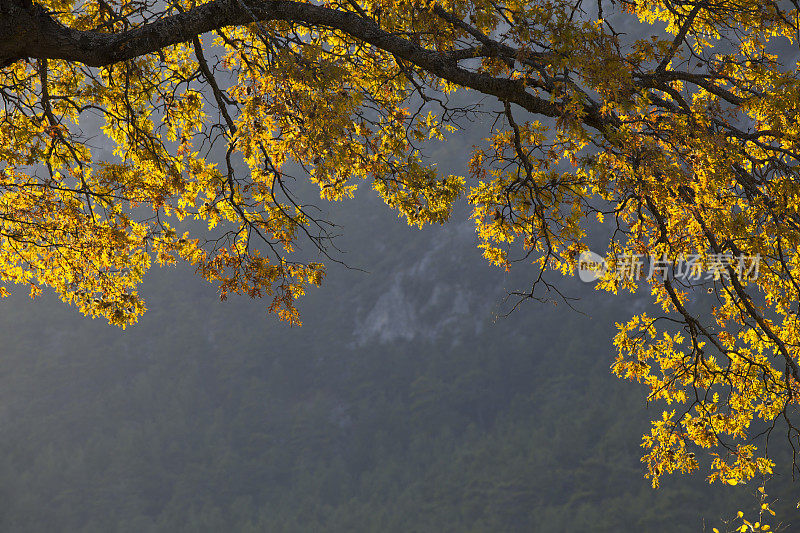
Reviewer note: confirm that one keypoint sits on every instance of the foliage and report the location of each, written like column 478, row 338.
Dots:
column 684, row 139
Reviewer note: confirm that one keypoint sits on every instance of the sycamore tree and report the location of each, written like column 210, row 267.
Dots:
column 674, row 123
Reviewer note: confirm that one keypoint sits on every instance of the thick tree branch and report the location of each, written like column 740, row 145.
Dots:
column 47, row 39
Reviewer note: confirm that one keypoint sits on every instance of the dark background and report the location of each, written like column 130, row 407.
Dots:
column 404, row 403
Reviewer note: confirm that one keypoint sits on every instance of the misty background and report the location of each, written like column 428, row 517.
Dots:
column 404, row 403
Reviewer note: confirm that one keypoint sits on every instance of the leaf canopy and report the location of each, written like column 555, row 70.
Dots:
column 135, row 132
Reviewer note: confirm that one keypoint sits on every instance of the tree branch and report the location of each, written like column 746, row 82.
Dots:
column 48, row 39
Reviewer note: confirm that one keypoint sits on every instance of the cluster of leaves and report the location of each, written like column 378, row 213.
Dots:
column 687, row 139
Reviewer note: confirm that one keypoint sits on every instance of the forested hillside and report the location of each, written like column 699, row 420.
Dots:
column 402, row 404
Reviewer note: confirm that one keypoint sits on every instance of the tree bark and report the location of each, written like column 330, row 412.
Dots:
column 22, row 24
